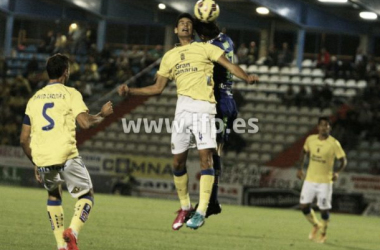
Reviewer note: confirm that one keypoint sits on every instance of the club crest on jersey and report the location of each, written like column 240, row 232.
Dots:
column 85, row 212
column 182, row 56
column 200, row 136
column 173, row 146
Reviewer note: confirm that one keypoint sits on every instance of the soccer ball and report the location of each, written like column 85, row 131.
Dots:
column 206, row 10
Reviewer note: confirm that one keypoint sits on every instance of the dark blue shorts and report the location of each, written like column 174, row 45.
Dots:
column 227, row 112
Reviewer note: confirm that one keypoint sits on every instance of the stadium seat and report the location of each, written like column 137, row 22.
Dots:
column 351, row 83
column 253, row 69
column 266, row 147
column 307, row 80
column 274, row 70
column 338, row 92
column 350, row 92
column 306, row 72
column 280, row 128
column 280, row 138
column 278, row 148
column 264, row 78
column 339, row 83
column 317, row 73
column 285, row 71
column 265, row 158
column 318, row 81
column 294, row 71
column 285, row 79
column 329, row 81
column 290, row 139
column 307, row 63
column 274, row 79
column 296, row 80
column 362, row 84
column 263, row 69
column 243, row 67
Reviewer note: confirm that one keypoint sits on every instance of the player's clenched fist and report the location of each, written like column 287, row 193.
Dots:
column 123, row 90
column 107, row 109
column 252, row 79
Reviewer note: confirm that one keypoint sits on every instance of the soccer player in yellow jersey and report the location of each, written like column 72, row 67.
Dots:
column 48, row 139
column 190, row 64
column 322, row 150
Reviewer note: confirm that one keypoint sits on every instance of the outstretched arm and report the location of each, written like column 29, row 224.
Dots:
column 237, row 71
column 154, row 89
column 85, row 120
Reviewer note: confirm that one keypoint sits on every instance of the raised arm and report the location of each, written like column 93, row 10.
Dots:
column 85, row 120
column 154, row 89
column 237, row 71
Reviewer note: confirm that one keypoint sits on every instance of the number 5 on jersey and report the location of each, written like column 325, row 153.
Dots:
column 48, row 105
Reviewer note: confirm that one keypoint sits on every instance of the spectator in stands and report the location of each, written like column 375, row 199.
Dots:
column 323, row 59
column 135, row 59
column 49, row 40
column 315, row 97
column 32, row 66
column 333, row 68
column 90, row 71
column 154, row 54
column 289, row 96
column 302, row 97
column 105, row 54
column 60, row 43
column 242, row 54
column 326, row 96
column 252, row 53
column 360, row 64
column 285, row 57
column 3, row 68
column 74, row 68
column 272, row 56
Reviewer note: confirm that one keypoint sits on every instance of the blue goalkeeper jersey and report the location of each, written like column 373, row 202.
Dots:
column 222, row 77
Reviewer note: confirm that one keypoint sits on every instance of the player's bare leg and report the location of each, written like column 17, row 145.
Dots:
column 325, row 219
column 206, row 182
column 81, row 213
column 181, row 180
column 310, row 216
column 55, row 213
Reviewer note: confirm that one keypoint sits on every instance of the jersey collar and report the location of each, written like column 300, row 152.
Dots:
column 52, row 83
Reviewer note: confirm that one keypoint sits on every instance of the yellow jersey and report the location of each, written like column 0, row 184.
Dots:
column 191, row 66
column 51, row 113
column 322, row 155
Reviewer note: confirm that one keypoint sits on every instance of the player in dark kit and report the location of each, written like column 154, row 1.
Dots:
column 226, row 106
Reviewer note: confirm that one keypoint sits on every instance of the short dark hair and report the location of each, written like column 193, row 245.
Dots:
column 56, row 66
column 209, row 30
column 324, row 118
column 184, row 15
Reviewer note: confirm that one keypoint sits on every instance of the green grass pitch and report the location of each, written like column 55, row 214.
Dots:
column 137, row 223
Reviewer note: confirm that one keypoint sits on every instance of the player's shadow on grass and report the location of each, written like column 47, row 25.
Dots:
column 345, row 247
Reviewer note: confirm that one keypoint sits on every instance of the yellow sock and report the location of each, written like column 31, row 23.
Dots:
column 181, row 180
column 55, row 213
column 324, row 226
column 81, row 212
column 206, row 183
column 312, row 218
